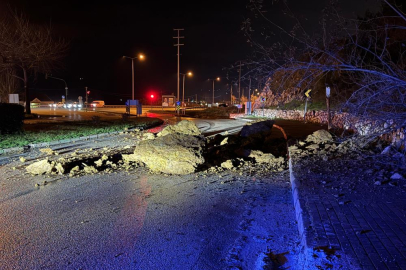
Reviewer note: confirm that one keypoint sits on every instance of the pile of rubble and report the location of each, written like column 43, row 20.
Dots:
column 353, row 161
column 177, row 149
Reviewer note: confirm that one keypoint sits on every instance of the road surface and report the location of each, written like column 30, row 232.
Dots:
column 136, row 220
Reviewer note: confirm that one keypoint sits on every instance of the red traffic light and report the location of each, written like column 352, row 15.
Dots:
column 88, row 92
column 152, row 96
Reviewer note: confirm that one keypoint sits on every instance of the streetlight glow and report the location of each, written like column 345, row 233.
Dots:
column 141, row 57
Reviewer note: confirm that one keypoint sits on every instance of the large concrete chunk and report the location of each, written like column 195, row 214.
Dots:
column 257, row 129
column 40, row 167
column 173, row 154
column 183, row 127
column 320, row 136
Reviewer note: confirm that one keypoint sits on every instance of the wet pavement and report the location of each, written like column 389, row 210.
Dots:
column 136, row 220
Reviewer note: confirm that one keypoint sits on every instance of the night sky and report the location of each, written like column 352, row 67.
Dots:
column 101, row 32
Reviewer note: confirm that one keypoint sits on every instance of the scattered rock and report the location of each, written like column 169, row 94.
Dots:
column 313, row 146
column 59, row 168
column 227, row 165
column 47, row 151
column 22, row 159
column 319, row 137
column 148, row 136
column 225, row 141
column 74, row 170
column 396, row 176
column 89, row 169
column 268, row 159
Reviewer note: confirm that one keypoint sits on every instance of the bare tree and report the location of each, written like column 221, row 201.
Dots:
column 367, row 55
column 28, row 49
column 8, row 83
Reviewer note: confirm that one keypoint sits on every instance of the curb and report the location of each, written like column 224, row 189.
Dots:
column 301, row 214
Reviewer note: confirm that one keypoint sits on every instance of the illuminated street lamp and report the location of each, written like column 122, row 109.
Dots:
column 141, row 57
column 184, row 75
column 216, row 79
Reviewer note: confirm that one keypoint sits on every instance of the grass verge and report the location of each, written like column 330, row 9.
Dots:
column 48, row 132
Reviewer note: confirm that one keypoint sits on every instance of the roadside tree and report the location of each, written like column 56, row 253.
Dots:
column 28, row 49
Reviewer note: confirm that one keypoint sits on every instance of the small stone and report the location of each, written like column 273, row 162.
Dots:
column 396, row 176
column 22, row 159
column 377, row 183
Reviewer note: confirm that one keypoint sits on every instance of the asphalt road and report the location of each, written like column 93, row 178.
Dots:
column 135, row 220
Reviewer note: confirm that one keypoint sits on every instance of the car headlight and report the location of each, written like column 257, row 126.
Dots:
column 70, row 106
column 79, row 106
column 64, row 105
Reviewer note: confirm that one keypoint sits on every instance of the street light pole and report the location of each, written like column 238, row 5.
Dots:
column 132, row 69
column 66, row 86
column 183, row 89
column 141, row 57
column 213, row 94
column 218, row 79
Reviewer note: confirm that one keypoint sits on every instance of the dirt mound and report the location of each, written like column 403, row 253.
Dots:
column 183, row 127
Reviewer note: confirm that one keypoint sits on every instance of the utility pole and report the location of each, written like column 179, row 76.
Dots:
column 239, row 85
column 249, row 98
column 86, row 97
column 231, row 94
column 178, row 37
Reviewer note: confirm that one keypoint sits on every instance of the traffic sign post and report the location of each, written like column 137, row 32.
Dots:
column 328, row 107
column 177, row 106
column 263, row 99
column 307, row 94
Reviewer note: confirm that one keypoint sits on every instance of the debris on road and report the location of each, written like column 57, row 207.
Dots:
column 177, row 149
column 183, row 127
column 40, row 167
column 173, row 153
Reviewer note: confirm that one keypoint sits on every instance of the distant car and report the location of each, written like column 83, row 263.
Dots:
column 97, row 103
column 76, row 105
column 223, row 105
column 58, row 105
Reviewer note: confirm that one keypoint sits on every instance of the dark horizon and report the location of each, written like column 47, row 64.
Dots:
column 100, row 34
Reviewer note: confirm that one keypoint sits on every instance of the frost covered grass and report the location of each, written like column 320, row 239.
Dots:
column 48, row 132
